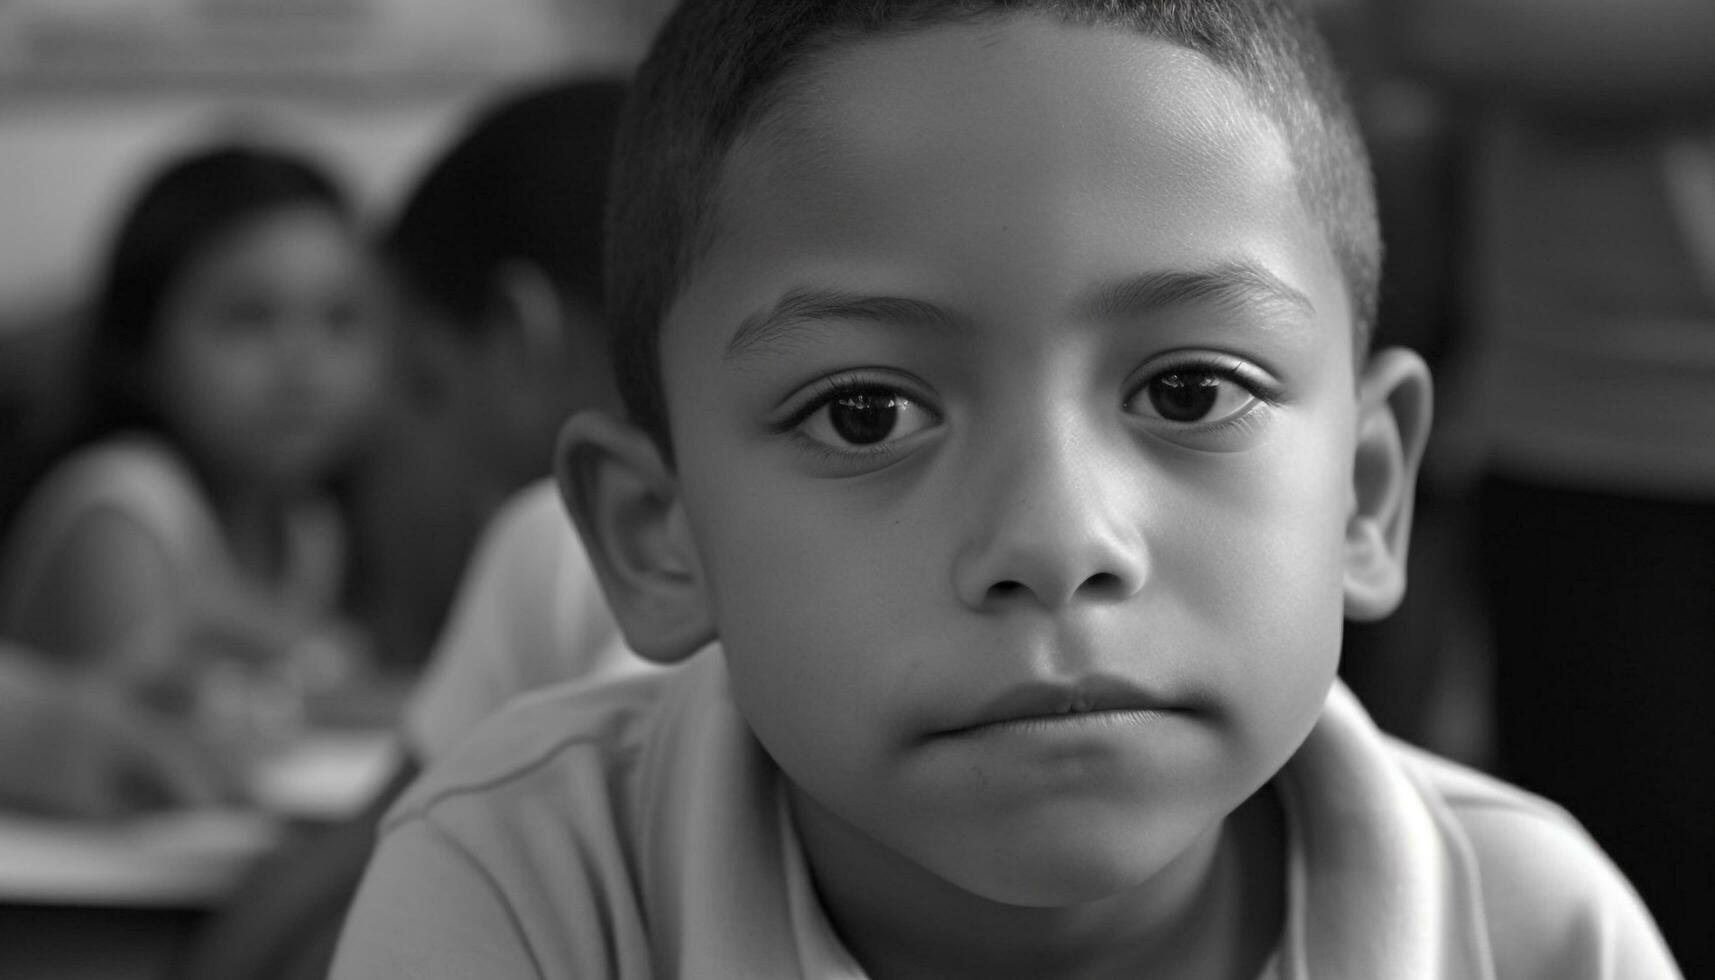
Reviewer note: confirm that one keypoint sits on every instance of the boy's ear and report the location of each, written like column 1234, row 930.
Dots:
column 528, row 313
column 1394, row 409
column 626, row 504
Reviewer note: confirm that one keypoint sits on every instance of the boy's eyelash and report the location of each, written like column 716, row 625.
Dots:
column 1230, row 370
column 832, row 387
column 1233, row 424
column 839, row 453
column 827, row 389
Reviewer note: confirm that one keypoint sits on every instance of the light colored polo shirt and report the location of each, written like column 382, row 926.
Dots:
column 528, row 614
column 632, row 829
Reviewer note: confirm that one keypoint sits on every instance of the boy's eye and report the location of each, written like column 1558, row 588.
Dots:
column 865, row 416
column 1190, row 395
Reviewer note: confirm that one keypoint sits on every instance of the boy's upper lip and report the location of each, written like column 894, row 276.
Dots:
column 1046, row 698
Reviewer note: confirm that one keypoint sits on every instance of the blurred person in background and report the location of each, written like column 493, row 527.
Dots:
column 179, row 556
column 500, row 252
column 1591, row 274
column 496, row 255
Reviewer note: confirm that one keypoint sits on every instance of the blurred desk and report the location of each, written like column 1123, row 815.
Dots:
column 169, row 860
column 117, row 900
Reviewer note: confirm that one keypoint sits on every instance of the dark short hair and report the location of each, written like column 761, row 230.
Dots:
column 179, row 213
column 527, row 181
column 717, row 66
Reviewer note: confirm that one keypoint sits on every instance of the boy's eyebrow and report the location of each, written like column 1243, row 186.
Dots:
column 1231, row 284
column 1235, row 284
column 806, row 305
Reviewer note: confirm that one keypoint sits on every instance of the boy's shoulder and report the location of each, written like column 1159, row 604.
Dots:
column 1494, row 814
column 1555, row 904
column 513, row 855
column 608, row 828
column 1401, row 857
column 633, row 819
column 566, row 730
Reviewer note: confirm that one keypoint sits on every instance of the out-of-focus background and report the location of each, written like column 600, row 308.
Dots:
column 1546, row 173
column 96, row 90
column 93, row 93
column 97, row 97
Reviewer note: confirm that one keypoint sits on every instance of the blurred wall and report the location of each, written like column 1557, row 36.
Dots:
column 68, row 162
column 94, row 92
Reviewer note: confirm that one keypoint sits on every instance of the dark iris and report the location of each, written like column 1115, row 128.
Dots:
column 1184, row 396
column 863, row 418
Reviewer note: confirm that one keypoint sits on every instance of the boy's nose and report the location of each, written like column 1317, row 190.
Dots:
column 1053, row 527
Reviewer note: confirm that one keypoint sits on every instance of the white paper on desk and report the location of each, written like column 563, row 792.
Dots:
column 186, row 858
column 326, row 775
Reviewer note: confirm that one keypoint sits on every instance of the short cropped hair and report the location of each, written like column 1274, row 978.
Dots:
column 718, row 67
column 527, row 181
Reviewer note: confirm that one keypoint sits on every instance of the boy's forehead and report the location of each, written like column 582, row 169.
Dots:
column 990, row 82
column 1114, row 152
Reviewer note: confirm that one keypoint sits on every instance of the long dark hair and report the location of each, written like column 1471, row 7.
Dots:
column 178, row 213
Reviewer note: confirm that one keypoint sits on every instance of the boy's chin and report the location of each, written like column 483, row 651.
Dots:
column 1079, row 862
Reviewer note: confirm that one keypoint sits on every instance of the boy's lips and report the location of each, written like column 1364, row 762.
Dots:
column 1048, row 701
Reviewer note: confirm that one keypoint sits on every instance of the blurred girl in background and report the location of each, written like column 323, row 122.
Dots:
column 182, row 556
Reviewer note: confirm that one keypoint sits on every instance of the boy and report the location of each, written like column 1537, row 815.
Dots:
column 501, row 250
column 496, row 253
column 999, row 403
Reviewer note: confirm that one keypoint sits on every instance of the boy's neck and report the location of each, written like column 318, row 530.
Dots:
column 1216, row 912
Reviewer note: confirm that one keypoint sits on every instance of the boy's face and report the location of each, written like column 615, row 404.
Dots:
column 1014, row 413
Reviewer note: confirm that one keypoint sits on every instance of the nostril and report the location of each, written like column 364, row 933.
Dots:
column 1103, row 584
column 1006, row 590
